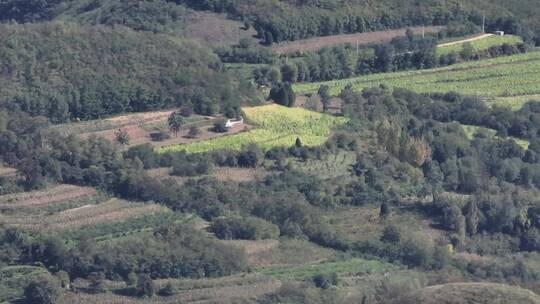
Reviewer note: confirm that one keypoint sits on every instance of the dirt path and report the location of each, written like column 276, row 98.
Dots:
column 360, row 38
column 483, row 36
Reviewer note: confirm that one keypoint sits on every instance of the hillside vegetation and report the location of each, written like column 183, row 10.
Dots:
column 504, row 76
column 481, row 293
column 65, row 71
column 278, row 21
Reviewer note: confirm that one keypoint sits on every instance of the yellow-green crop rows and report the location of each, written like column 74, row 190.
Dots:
column 481, row 44
column 276, row 126
column 502, row 76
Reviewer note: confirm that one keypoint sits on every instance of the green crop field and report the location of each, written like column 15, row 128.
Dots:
column 481, row 44
column 277, row 126
column 515, row 103
column 503, row 76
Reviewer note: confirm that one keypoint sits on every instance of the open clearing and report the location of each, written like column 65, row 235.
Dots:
column 479, row 43
column 277, row 126
column 313, row 44
column 223, row 174
column 504, row 76
column 364, row 223
column 140, row 126
column 265, row 253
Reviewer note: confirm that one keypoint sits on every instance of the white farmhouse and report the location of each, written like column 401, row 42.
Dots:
column 232, row 123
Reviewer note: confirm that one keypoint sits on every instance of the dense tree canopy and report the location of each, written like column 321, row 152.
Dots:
column 65, row 71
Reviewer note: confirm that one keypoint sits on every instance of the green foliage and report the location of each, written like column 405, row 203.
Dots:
column 122, row 137
column 120, row 72
column 145, row 286
column 511, row 75
column 43, row 290
column 243, row 228
column 175, row 121
column 325, row 281
column 283, row 94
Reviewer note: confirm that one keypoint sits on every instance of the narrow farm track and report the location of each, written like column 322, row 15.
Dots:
column 483, row 36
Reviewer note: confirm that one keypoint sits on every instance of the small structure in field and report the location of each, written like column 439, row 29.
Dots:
column 233, row 123
column 499, row 33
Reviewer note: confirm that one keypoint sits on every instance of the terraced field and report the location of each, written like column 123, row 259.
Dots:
column 65, row 207
column 277, row 126
column 504, row 76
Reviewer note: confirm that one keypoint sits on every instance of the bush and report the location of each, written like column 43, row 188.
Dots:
column 244, row 228
column 219, row 126
column 194, row 131
column 43, row 290
column 326, row 280
column 145, row 286
column 160, row 136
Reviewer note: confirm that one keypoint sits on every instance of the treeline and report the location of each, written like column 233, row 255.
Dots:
column 158, row 16
column 174, row 251
column 277, row 21
column 68, row 72
column 402, row 53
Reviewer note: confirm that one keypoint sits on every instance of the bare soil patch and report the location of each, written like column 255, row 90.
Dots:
column 140, row 126
column 317, row 43
column 7, row 172
column 216, row 30
column 220, row 173
column 206, row 134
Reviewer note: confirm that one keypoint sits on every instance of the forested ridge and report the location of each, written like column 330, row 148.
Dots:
column 277, row 21
column 402, row 193
column 66, row 71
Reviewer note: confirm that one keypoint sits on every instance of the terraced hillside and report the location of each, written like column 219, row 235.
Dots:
column 505, row 76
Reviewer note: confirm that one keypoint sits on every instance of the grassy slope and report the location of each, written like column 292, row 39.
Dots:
column 481, row 44
column 512, row 75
